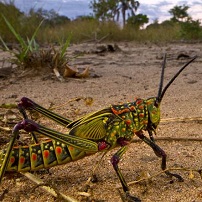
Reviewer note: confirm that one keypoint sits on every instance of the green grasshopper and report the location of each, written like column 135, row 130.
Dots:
column 96, row 132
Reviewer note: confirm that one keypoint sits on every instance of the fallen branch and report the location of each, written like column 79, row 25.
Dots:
column 48, row 189
column 181, row 119
column 163, row 171
column 7, row 129
column 171, row 139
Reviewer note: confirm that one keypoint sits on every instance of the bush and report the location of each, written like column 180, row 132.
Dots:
column 191, row 30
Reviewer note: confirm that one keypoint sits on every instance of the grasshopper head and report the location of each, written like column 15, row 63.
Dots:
column 153, row 104
column 153, row 112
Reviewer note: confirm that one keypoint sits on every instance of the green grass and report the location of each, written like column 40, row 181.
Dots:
column 83, row 31
column 32, row 32
column 88, row 31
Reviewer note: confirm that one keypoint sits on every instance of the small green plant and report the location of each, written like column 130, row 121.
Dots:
column 26, row 47
column 30, row 56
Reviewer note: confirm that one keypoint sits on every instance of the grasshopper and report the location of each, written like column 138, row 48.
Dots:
column 100, row 131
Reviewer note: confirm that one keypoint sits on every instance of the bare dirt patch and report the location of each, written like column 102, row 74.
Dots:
column 124, row 75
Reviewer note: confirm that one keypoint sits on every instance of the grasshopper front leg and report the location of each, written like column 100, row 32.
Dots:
column 115, row 160
column 160, row 153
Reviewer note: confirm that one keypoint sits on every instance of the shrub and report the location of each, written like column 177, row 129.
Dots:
column 191, row 29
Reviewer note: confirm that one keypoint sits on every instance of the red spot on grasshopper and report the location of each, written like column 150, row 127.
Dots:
column 12, row 159
column 149, row 102
column 114, row 111
column 46, row 154
column 34, row 157
column 145, row 122
column 71, row 148
column 132, row 108
column 141, row 107
column 128, row 122
column 22, row 160
column 58, row 150
column 139, row 101
column 121, row 111
column 102, row 145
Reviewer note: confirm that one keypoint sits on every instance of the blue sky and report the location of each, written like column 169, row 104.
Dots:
column 155, row 9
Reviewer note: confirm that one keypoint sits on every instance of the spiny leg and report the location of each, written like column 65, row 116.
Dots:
column 151, row 135
column 93, row 176
column 115, row 160
column 15, row 135
column 160, row 153
column 75, row 141
column 24, row 114
column 27, row 104
column 31, row 126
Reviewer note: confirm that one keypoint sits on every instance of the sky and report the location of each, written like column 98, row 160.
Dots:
column 155, row 9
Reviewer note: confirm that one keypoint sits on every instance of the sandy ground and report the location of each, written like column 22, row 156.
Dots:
column 124, row 75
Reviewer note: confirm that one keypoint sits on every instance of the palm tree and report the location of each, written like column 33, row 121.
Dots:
column 124, row 6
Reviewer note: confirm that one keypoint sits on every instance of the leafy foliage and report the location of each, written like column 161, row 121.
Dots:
column 111, row 9
column 50, row 17
column 138, row 20
column 191, row 29
column 179, row 13
column 104, row 10
column 92, row 27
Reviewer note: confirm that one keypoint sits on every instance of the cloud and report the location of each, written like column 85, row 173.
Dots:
column 160, row 10
column 156, row 11
column 153, row 9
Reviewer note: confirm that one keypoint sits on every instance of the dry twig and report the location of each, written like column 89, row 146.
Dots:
column 47, row 188
column 161, row 172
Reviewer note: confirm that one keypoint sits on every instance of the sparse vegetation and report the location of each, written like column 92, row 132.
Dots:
column 56, row 29
column 29, row 56
column 25, row 36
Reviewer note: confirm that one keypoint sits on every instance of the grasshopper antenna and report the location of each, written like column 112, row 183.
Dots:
column 158, row 100
column 162, row 92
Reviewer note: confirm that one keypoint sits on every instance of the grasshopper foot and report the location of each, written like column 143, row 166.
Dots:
column 131, row 198
column 180, row 179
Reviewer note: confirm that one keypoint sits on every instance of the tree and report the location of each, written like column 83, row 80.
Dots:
column 138, row 20
column 191, row 29
column 179, row 13
column 104, row 9
column 50, row 17
column 111, row 9
column 127, row 5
